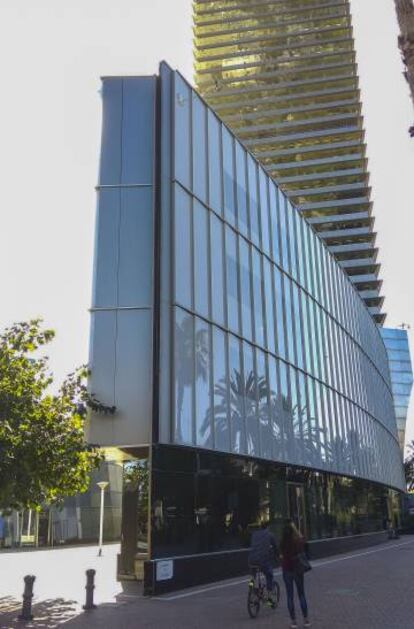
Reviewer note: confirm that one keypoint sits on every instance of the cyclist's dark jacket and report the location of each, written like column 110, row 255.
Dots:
column 263, row 549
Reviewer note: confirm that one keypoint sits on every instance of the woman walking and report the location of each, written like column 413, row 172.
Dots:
column 292, row 545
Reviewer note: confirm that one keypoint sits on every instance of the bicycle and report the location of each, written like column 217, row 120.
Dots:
column 258, row 594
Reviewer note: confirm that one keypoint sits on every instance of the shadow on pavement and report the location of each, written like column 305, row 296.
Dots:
column 47, row 614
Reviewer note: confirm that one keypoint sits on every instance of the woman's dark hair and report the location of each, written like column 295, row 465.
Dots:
column 289, row 535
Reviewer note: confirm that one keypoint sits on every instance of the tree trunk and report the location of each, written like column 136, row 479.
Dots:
column 405, row 15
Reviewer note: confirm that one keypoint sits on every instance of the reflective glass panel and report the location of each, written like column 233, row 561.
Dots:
column 253, row 204
column 257, row 297
column 283, row 232
column 199, row 121
column 270, row 315
column 217, row 269
column 292, row 239
column 286, row 409
column 264, row 211
column 184, row 376
column 201, row 259
column 214, row 163
column 245, row 285
column 289, row 320
column 274, row 221
column 241, row 189
column 204, row 408
column 183, row 264
column 232, row 281
column 182, row 110
column 297, row 326
column 280, row 325
column 250, row 400
column 220, row 389
column 237, row 387
column 228, row 177
column 263, row 409
column 275, row 411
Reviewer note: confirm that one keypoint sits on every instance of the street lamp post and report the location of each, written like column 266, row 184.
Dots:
column 102, row 486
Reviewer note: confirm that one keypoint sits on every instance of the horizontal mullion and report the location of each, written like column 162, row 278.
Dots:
column 295, row 110
column 347, row 233
column 264, row 76
column 253, row 51
column 351, row 172
column 351, row 248
column 242, row 6
column 325, row 94
column 327, row 219
column 312, row 162
column 284, row 85
column 249, row 40
column 305, row 122
column 358, row 263
column 333, row 204
column 304, row 136
column 289, row 11
column 315, row 148
column 327, row 189
column 277, row 60
column 270, row 25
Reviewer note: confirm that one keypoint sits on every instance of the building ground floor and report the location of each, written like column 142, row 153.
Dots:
column 187, row 514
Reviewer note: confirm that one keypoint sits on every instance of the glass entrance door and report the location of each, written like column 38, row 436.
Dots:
column 296, row 502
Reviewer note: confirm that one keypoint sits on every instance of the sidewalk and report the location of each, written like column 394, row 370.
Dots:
column 59, row 588
column 368, row 589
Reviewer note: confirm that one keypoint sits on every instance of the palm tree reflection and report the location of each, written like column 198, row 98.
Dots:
column 250, row 405
column 185, row 340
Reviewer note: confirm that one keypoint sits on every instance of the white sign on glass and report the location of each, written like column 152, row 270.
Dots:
column 165, row 570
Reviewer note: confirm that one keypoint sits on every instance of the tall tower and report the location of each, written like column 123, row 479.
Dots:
column 282, row 74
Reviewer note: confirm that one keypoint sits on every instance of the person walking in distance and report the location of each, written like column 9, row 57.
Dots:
column 292, row 548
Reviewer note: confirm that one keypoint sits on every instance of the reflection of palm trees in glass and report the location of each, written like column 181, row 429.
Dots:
column 247, row 395
column 249, row 402
column 294, row 431
column 184, row 363
column 340, row 451
column 296, row 434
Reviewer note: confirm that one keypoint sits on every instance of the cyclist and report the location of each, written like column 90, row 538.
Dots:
column 263, row 552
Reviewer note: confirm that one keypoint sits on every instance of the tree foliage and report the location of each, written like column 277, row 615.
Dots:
column 43, row 455
column 405, row 16
column 409, row 467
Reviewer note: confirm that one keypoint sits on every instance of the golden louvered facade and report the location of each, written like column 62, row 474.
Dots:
column 282, row 74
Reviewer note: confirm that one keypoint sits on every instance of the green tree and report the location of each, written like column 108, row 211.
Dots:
column 409, row 467
column 43, row 454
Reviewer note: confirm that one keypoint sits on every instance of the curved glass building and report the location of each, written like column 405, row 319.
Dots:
column 398, row 350
column 249, row 377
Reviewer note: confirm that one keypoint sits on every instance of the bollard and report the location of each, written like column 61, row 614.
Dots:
column 27, row 598
column 90, row 586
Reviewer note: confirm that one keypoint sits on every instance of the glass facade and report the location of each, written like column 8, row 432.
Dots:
column 398, row 350
column 249, row 378
column 206, row 502
column 276, row 355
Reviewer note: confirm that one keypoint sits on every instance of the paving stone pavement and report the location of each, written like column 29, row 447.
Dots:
column 368, row 589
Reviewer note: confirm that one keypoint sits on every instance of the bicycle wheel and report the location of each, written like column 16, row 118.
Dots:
column 276, row 594
column 253, row 602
